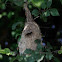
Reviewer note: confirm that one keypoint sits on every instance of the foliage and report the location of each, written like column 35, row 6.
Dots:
column 61, row 1
column 60, row 51
column 11, row 13
column 6, row 51
column 30, row 55
column 35, row 12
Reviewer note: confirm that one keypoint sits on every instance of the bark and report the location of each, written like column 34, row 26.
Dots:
column 30, row 33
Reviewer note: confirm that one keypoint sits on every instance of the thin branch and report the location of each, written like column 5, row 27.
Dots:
column 51, row 52
column 55, row 51
column 36, row 17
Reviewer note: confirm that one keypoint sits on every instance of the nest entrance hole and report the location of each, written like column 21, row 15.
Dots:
column 29, row 34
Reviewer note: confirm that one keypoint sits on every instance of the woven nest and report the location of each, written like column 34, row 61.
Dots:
column 30, row 33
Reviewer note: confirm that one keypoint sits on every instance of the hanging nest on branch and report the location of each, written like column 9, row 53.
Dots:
column 30, row 33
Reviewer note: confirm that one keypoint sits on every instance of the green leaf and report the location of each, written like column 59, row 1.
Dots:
column 30, row 59
column 36, row 55
column 37, row 3
column 7, row 50
column 19, row 38
column 39, row 47
column 54, row 12
column 49, row 2
column 61, row 48
column 56, row 59
column 0, row 47
column 30, row 6
column 19, row 24
column 18, row 2
column 2, row 51
column 43, row 17
column 19, row 58
column 38, row 41
column 49, row 46
column 9, row 15
column 49, row 55
column 48, row 50
column 13, row 33
column 61, row 1
column 60, row 52
column 46, row 4
column 28, row 51
column 17, row 35
column 1, row 56
column 46, row 13
column 35, row 12
column 29, row 1
column 1, row 16
column 43, row 6
column 3, row 6
column 4, row 13
column 12, row 59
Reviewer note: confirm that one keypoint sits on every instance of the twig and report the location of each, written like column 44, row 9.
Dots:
column 36, row 17
column 51, row 52
column 55, row 51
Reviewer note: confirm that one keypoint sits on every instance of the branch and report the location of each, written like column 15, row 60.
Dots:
column 36, row 17
column 51, row 52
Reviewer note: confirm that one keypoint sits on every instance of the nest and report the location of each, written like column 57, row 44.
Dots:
column 30, row 33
